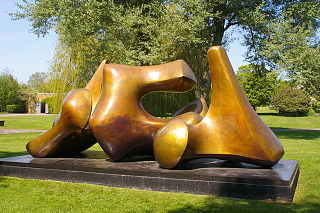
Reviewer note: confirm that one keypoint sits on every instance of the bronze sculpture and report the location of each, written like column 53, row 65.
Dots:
column 109, row 111
column 231, row 129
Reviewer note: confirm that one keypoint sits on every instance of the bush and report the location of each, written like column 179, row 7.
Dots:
column 15, row 108
column 290, row 101
column 316, row 106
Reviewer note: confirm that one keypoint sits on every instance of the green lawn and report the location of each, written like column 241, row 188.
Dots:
column 274, row 121
column 266, row 110
column 43, row 122
column 14, row 144
column 40, row 122
column 22, row 195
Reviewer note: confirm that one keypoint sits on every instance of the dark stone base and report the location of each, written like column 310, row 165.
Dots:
column 203, row 176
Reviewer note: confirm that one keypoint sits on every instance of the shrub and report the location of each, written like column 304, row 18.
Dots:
column 290, row 101
column 316, row 106
column 14, row 108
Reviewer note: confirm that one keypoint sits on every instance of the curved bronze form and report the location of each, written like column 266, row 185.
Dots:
column 111, row 102
column 68, row 135
column 198, row 106
column 231, row 128
column 119, row 122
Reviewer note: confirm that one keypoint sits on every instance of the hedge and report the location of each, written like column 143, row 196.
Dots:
column 14, row 108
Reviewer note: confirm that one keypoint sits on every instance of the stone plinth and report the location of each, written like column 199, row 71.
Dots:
column 202, row 176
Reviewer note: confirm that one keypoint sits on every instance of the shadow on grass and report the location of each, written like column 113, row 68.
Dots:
column 223, row 205
column 2, row 185
column 5, row 154
column 268, row 113
column 300, row 134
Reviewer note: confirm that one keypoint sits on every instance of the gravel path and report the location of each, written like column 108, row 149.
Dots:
column 14, row 131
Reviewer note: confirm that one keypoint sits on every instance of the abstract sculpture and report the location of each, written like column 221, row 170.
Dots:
column 231, row 129
column 109, row 110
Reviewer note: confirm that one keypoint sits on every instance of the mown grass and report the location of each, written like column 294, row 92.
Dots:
column 276, row 122
column 41, row 122
column 273, row 120
column 266, row 110
column 14, row 144
column 44, row 122
column 22, row 195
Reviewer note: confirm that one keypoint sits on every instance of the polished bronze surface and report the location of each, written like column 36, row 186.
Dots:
column 198, row 106
column 94, row 85
column 119, row 122
column 69, row 134
column 111, row 102
column 231, row 129
column 109, row 111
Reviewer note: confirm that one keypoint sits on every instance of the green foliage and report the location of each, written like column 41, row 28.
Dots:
column 290, row 101
column 158, row 31
column 54, row 103
column 165, row 104
column 315, row 106
column 289, row 43
column 311, row 113
column 14, row 108
column 295, row 53
column 259, row 84
column 37, row 81
column 9, row 90
column 131, row 33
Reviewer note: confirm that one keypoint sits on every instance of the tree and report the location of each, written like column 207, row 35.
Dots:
column 298, row 59
column 157, row 31
column 9, row 90
column 37, row 81
column 289, row 44
column 258, row 84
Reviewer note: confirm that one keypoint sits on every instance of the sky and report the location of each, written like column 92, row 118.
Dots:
column 23, row 53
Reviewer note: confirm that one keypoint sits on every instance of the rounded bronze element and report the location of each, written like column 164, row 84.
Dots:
column 170, row 143
column 68, row 135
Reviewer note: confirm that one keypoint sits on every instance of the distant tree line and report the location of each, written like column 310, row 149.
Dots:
column 10, row 93
column 15, row 96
